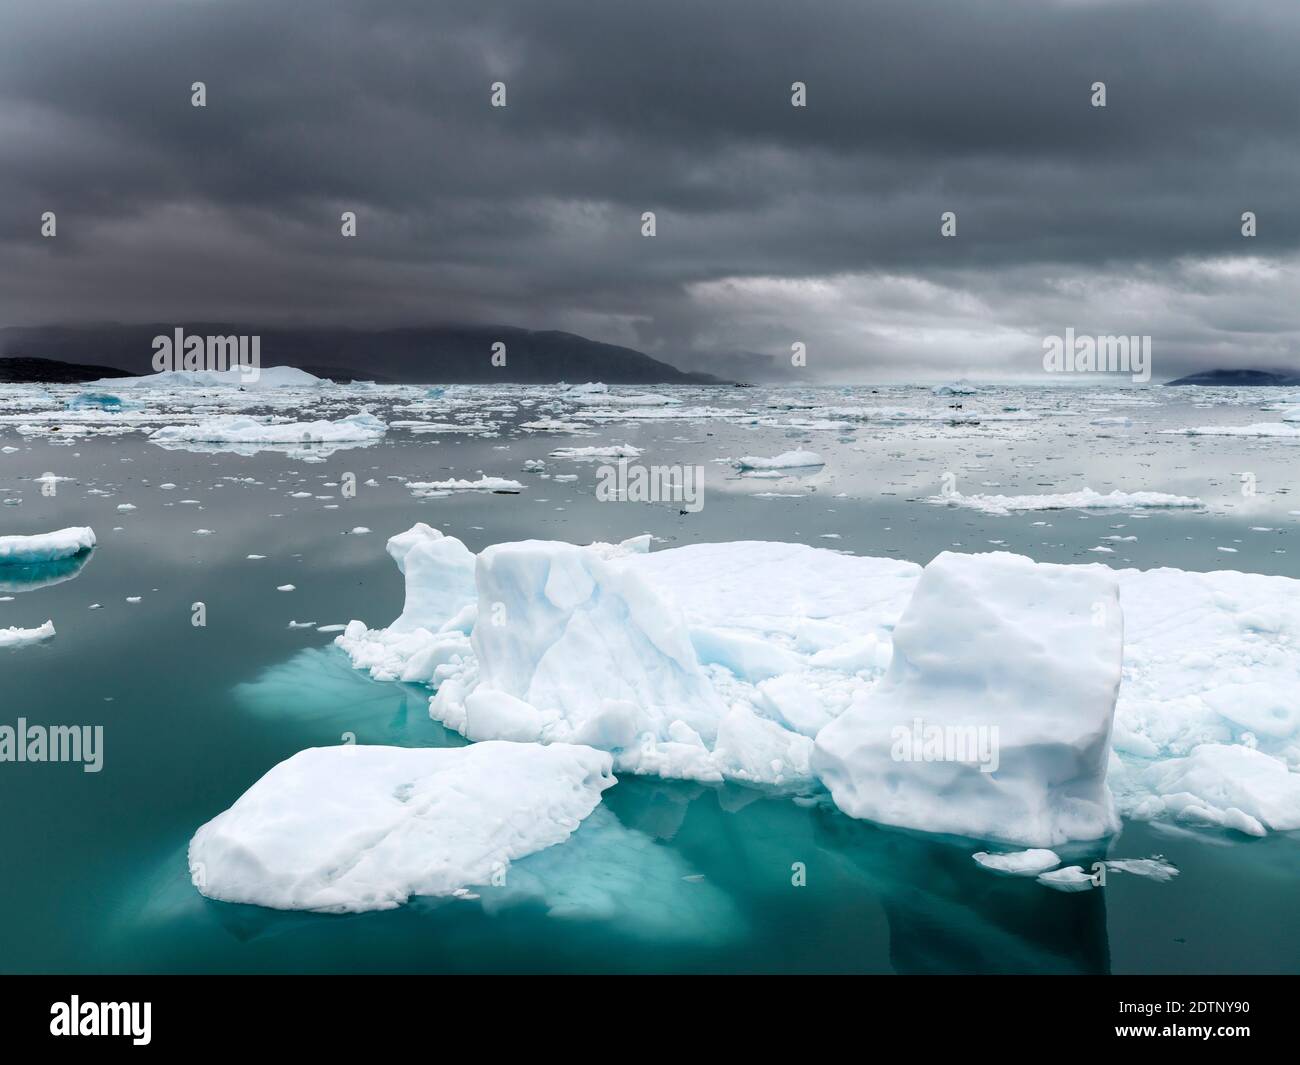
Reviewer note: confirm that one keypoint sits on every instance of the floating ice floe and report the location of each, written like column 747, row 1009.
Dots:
column 240, row 429
column 1262, row 429
column 268, row 377
column 1071, row 878
column 1155, row 868
column 434, row 489
column 1019, row 863
column 16, row 637
column 613, row 451
column 355, row 828
column 46, row 547
column 1087, row 499
column 725, row 661
column 787, row 460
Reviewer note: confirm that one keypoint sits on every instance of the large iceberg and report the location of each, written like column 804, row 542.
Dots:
column 725, row 662
column 353, row 828
column 678, row 662
column 46, row 547
column 235, row 377
column 994, row 719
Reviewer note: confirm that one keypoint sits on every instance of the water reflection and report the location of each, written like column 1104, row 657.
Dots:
column 26, row 577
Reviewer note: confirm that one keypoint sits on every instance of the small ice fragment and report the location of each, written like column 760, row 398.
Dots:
column 1071, row 878
column 1019, row 863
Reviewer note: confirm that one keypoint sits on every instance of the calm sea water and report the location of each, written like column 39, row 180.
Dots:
column 670, row 877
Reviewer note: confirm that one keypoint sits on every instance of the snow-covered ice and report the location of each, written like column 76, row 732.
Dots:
column 787, row 460
column 241, row 429
column 17, row 637
column 1071, row 878
column 725, row 661
column 483, row 484
column 354, row 827
column 46, row 547
column 1019, row 863
column 994, row 719
column 267, row 377
column 1086, row 499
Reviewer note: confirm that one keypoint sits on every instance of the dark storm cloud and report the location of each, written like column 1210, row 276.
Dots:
column 530, row 214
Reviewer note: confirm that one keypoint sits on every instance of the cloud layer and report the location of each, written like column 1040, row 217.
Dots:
column 775, row 224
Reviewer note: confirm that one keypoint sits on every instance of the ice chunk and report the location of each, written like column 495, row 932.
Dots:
column 1071, row 878
column 1259, row 429
column 99, row 401
column 1087, row 499
column 354, row 828
column 581, row 641
column 787, row 460
column 439, row 572
column 16, row 637
column 1218, row 783
column 1152, row 868
column 434, row 489
column 432, row 630
column 241, row 429
column 46, row 547
column 994, row 718
column 1019, row 863
column 613, row 451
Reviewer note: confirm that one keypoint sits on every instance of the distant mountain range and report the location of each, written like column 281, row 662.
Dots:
column 20, row 371
column 1238, row 378
column 450, row 354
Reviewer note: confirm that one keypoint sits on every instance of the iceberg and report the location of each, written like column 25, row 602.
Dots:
column 241, row 429
column 235, row 377
column 1071, row 878
column 436, row 489
column 16, row 637
column 671, row 661
column 991, row 648
column 1087, row 499
column 46, row 547
column 785, row 667
column 354, row 828
column 614, row 451
column 787, row 460
column 1018, row 863
column 1256, row 429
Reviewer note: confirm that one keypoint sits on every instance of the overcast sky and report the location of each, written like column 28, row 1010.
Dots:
column 775, row 224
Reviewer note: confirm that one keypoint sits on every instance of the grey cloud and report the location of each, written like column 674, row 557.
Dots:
column 530, row 214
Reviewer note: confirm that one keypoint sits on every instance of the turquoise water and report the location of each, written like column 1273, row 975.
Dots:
column 667, row 876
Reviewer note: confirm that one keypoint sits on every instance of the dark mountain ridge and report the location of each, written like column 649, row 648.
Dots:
column 444, row 354
column 1238, row 378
